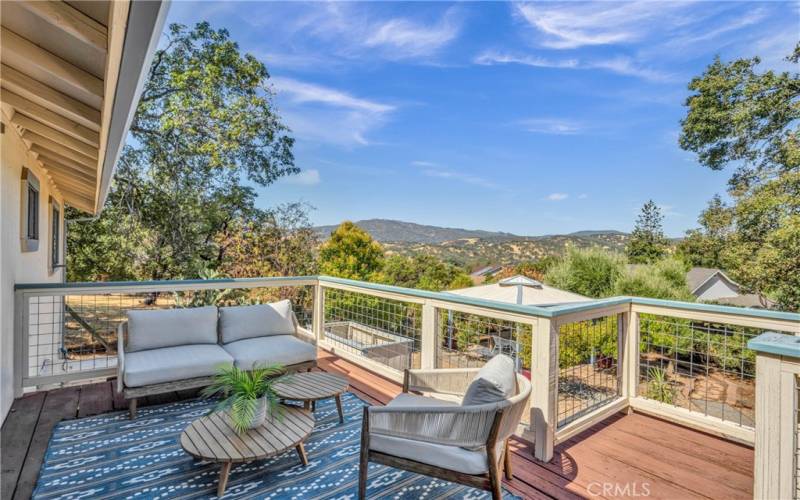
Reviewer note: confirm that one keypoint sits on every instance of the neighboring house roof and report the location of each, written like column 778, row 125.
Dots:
column 747, row 300
column 72, row 77
column 486, row 270
column 532, row 292
column 699, row 276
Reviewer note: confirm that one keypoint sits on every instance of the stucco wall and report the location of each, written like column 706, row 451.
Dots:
column 18, row 266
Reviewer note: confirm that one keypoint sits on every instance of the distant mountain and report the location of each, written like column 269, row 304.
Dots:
column 591, row 233
column 395, row 231
column 472, row 248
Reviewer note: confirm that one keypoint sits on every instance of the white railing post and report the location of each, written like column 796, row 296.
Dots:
column 318, row 315
column 428, row 338
column 776, row 412
column 544, row 379
column 629, row 354
column 20, row 338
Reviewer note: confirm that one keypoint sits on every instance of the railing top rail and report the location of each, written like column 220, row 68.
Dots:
column 212, row 283
column 531, row 310
column 442, row 296
column 714, row 308
column 775, row 343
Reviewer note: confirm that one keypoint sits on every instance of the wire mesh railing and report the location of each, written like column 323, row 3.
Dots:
column 701, row 366
column 69, row 334
column 468, row 340
column 588, row 366
column 383, row 330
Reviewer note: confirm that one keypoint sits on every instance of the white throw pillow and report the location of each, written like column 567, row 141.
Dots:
column 246, row 322
column 495, row 382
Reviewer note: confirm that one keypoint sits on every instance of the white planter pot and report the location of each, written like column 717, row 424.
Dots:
column 260, row 415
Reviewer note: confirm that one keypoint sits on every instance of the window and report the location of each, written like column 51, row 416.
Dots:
column 30, row 211
column 55, row 235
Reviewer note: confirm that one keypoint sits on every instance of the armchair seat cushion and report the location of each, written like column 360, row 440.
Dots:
column 406, row 400
column 171, row 364
column 273, row 349
column 439, row 455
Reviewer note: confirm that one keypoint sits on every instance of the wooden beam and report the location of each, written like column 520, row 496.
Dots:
column 47, row 132
column 49, row 97
column 58, row 148
column 63, row 181
column 69, row 155
column 45, row 155
column 77, row 200
column 20, row 53
column 44, row 115
column 72, row 21
column 78, row 174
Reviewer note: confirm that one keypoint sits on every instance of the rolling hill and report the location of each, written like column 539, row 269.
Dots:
column 472, row 248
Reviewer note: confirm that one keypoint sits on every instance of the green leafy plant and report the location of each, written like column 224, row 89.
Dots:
column 659, row 387
column 241, row 391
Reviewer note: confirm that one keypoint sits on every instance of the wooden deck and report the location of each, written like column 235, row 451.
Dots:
column 625, row 456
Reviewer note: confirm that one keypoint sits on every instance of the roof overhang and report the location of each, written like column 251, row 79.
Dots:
column 72, row 73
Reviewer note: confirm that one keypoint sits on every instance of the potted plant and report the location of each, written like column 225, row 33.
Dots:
column 248, row 396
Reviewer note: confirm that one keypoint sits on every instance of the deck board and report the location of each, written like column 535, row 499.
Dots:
column 629, row 451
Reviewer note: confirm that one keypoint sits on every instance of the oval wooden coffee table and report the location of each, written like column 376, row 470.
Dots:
column 313, row 386
column 212, row 438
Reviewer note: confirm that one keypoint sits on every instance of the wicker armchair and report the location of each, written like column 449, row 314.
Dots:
column 442, row 439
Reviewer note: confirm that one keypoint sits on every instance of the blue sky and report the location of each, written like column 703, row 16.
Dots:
column 533, row 118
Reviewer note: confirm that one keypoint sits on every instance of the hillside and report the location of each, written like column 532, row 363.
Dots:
column 385, row 230
column 475, row 247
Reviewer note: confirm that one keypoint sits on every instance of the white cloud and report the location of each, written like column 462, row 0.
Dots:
column 328, row 115
column 404, row 38
column 620, row 65
column 303, row 92
column 583, row 196
column 431, row 169
column 308, row 177
column 572, row 25
column 557, row 196
column 551, row 126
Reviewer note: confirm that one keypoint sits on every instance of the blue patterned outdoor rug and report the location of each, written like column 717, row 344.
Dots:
column 109, row 456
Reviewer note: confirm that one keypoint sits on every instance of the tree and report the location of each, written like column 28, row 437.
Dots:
column 534, row 269
column 424, row 272
column 739, row 116
column 590, row 271
column 647, row 243
column 705, row 246
column 350, row 253
column 279, row 242
column 203, row 134
column 665, row 279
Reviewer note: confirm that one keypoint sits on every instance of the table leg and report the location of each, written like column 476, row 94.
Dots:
column 339, row 408
column 301, row 450
column 223, row 478
column 306, row 404
column 314, row 405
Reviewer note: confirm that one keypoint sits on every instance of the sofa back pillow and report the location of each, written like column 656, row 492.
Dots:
column 246, row 322
column 495, row 382
column 153, row 329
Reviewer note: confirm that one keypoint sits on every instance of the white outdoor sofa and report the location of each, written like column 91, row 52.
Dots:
column 167, row 350
column 465, row 443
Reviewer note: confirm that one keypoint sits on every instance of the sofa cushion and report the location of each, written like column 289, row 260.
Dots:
column 270, row 350
column 170, row 364
column 246, row 322
column 494, row 382
column 153, row 329
column 439, row 455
